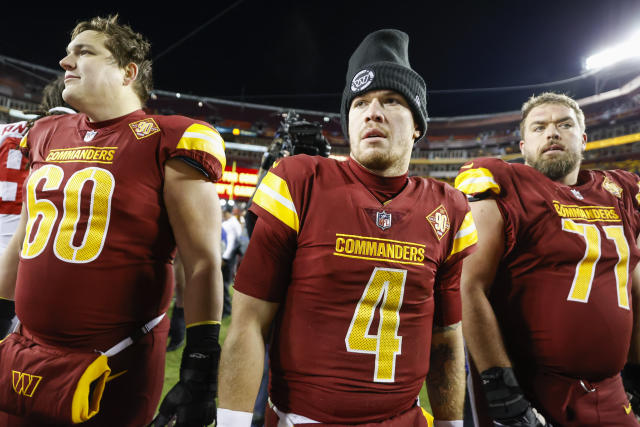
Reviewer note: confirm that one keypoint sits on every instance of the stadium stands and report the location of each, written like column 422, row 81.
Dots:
column 612, row 119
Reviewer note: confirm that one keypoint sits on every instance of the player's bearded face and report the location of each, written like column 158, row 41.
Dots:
column 553, row 141
column 381, row 132
column 92, row 76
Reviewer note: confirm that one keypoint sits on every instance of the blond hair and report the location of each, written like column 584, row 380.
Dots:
column 550, row 98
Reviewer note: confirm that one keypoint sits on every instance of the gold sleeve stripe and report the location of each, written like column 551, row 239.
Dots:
column 23, row 142
column 205, row 322
column 273, row 196
column 466, row 236
column 476, row 181
column 201, row 138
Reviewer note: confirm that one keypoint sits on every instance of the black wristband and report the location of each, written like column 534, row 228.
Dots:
column 503, row 393
column 7, row 309
column 203, row 337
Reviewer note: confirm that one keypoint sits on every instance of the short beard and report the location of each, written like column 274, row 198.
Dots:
column 375, row 161
column 558, row 167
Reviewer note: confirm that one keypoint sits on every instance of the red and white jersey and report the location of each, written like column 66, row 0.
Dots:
column 365, row 282
column 13, row 171
column 562, row 292
column 96, row 259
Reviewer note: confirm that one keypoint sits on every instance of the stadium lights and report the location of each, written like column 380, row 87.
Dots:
column 626, row 50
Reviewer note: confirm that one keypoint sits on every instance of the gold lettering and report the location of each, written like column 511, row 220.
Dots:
column 382, row 250
column 398, row 254
column 372, row 248
column 405, row 253
column 361, row 247
column 339, row 244
column 349, row 246
column 414, row 251
column 420, row 254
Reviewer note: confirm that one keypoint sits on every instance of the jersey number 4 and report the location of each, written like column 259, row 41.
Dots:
column 385, row 289
column 585, row 271
column 43, row 214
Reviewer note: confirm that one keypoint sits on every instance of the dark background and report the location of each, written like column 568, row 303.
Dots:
column 295, row 53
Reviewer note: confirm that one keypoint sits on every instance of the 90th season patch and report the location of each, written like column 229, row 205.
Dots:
column 439, row 220
column 144, row 128
column 613, row 188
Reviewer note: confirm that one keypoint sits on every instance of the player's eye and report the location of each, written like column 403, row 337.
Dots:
column 391, row 101
column 538, row 128
column 359, row 103
column 566, row 125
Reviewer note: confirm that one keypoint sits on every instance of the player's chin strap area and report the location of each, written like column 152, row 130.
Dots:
column 139, row 333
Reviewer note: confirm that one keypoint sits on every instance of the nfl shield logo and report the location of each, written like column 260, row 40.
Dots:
column 89, row 135
column 383, row 220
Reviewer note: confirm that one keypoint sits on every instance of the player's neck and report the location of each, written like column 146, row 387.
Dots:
column 395, row 170
column 571, row 178
column 107, row 111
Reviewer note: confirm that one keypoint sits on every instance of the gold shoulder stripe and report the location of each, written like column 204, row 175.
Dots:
column 202, row 138
column 466, row 236
column 273, row 196
column 474, row 181
column 23, row 142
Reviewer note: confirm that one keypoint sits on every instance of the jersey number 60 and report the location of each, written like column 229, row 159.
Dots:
column 46, row 212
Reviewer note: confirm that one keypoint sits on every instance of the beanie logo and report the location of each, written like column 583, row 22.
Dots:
column 361, row 80
column 417, row 100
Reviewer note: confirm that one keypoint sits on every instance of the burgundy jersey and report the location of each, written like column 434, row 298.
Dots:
column 96, row 259
column 366, row 280
column 562, row 292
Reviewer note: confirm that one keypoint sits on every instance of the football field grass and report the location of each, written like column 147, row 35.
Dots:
column 172, row 366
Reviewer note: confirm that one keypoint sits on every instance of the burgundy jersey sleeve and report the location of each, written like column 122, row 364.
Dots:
column 492, row 178
column 446, row 292
column 277, row 203
column 630, row 184
column 270, row 252
column 195, row 141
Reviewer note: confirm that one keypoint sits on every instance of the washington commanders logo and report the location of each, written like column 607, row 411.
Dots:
column 144, row 128
column 439, row 220
column 383, row 220
column 612, row 187
column 25, row 384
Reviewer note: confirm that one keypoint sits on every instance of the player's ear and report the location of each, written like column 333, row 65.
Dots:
column 130, row 73
column 522, row 146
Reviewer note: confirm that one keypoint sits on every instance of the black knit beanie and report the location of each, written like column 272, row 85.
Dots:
column 382, row 62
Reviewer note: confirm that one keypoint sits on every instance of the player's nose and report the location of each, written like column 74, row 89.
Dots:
column 67, row 63
column 374, row 111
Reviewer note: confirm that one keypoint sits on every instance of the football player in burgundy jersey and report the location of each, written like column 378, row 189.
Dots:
column 550, row 295
column 111, row 192
column 13, row 171
column 358, row 266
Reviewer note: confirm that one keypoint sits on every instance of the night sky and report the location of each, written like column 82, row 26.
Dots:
column 295, row 53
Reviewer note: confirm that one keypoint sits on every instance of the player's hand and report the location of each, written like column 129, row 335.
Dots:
column 631, row 381
column 191, row 402
column 7, row 312
column 507, row 404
